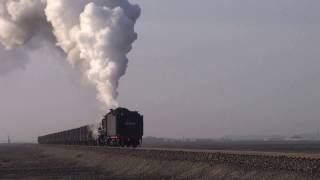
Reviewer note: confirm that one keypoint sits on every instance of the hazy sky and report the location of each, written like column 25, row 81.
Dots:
column 204, row 69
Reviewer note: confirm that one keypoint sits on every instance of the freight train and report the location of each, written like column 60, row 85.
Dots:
column 120, row 127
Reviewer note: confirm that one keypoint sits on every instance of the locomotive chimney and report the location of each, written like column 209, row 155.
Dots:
column 112, row 111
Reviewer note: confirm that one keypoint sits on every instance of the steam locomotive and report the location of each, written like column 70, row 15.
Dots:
column 120, row 127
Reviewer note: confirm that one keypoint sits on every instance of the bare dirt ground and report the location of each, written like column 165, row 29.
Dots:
column 28, row 162
column 37, row 162
column 147, row 163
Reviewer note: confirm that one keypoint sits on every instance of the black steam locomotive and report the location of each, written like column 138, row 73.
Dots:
column 120, row 127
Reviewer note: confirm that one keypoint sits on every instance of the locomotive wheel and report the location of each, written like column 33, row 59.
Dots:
column 109, row 142
column 134, row 145
column 121, row 143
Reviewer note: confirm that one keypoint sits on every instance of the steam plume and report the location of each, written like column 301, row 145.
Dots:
column 7, row 65
column 95, row 35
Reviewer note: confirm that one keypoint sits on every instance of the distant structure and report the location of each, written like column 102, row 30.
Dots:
column 9, row 141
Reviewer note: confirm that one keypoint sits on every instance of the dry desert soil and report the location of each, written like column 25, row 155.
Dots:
column 42, row 162
column 20, row 161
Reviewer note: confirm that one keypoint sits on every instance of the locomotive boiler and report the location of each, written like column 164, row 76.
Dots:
column 120, row 127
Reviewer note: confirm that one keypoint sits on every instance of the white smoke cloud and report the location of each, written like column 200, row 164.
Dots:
column 95, row 35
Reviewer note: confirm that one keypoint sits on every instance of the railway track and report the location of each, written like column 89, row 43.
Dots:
column 230, row 152
column 294, row 162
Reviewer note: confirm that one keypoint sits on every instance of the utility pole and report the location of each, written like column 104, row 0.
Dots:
column 9, row 141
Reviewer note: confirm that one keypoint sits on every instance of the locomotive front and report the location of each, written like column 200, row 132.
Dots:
column 121, row 127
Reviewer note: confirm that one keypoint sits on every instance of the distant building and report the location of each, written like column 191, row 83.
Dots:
column 274, row 139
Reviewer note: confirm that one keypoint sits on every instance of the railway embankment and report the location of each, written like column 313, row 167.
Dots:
column 191, row 164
